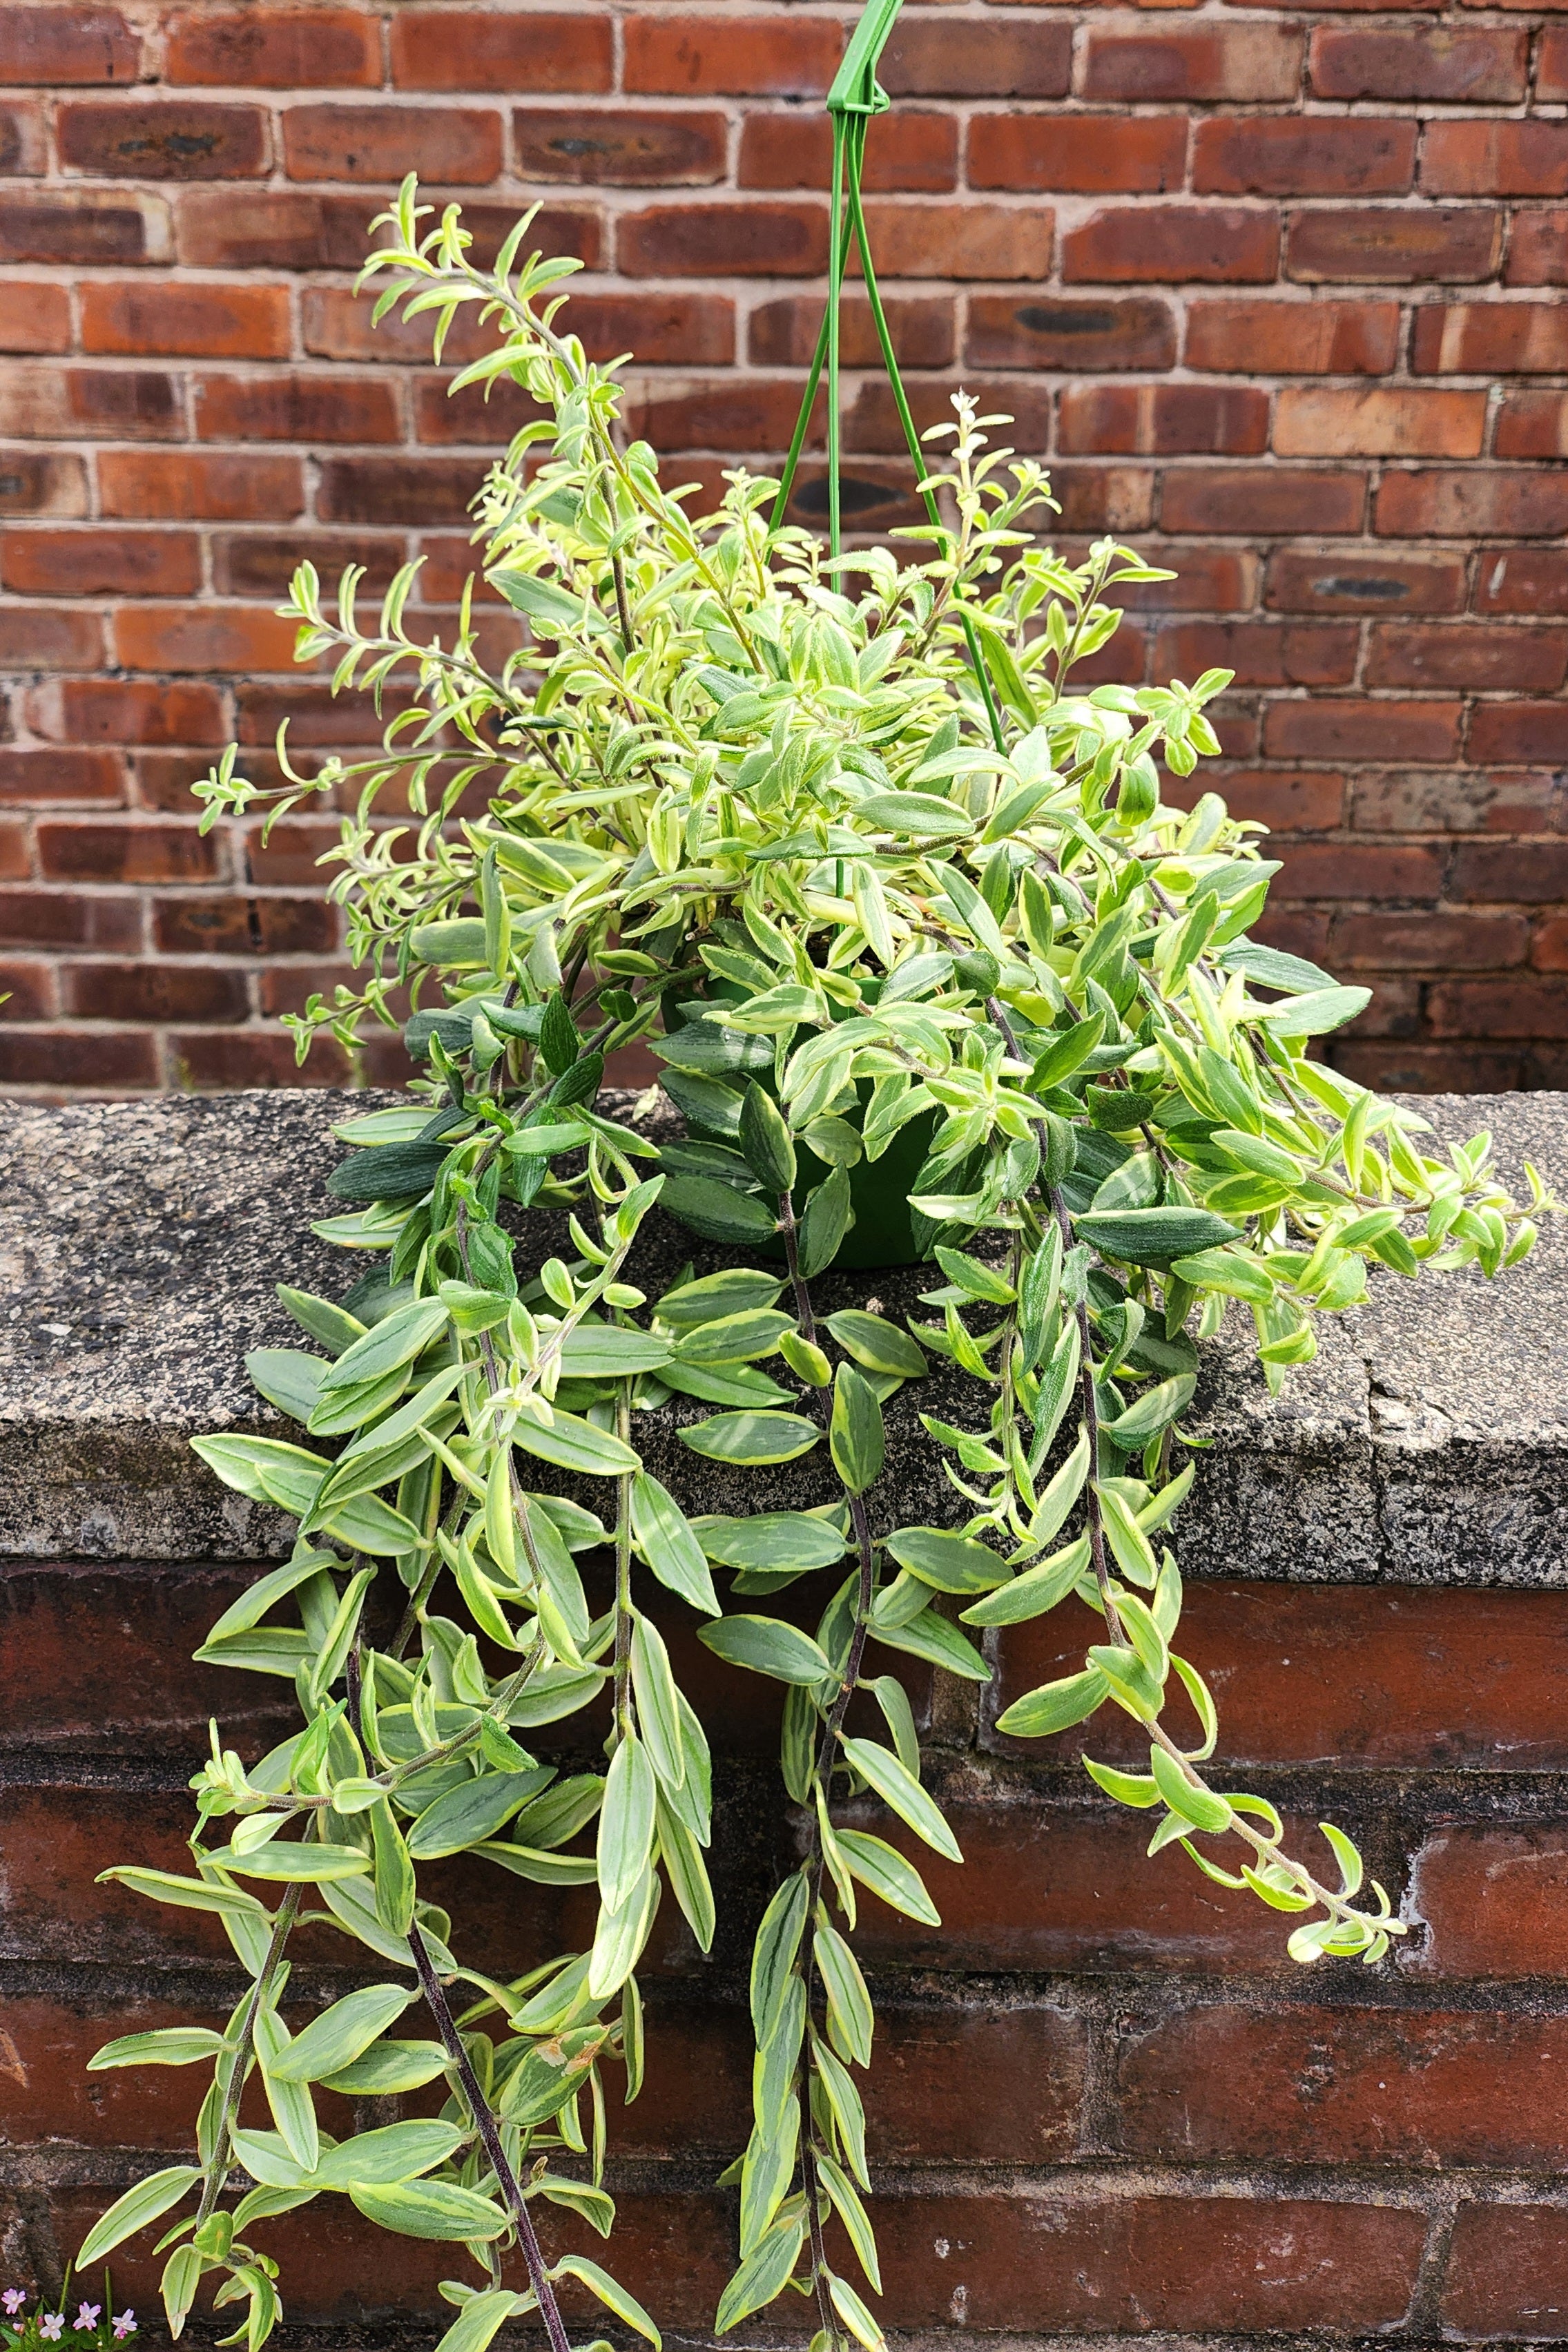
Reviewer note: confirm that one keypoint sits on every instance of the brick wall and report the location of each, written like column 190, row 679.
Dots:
column 1102, row 2102
column 1273, row 289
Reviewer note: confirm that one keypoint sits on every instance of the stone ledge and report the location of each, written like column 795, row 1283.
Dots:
column 141, row 1241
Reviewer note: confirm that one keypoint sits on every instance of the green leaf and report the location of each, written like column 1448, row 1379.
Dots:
column 1313, row 1015
column 848, row 2004
column 572, row 1443
column 335, row 2038
column 1055, row 1707
column 762, row 2275
column 288, row 1377
column 1152, row 1411
column 387, row 1172
column 387, row 1346
column 736, row 1339
column 612, row 2295
column 768, row 1646
column 312, row 1863
column 828, row 1218
column 773, row 1539
column 1270, row 968
column 602, row 1351
column 477, row 2323
column 388, row 2067
column 658, row 1703
column 921, row 815
column 188, row 1893
column 738, row 1288
column 397, row 2152
column 265, row 1469
column 1195, row 1803
column 888, row 1874
column 1233, row 1273
column 876, row 1343
column 474, row 1810
column 897, row 1786
column 173, row 2045
column 931, row 1637
column 766, row 1141
column 369, row 1525
column 431, row 2209
column 1153, row 1236
column 718, row 1211
column 951, row 1563
column 751, row 1437
column 137, row 2209
column 626, row 1823
column 773, row 1954
column 670, row 1545
column 1038, row 1590
column 855, row 2315
column 855, row 1435
column 333, row 1325
column 253, row 1604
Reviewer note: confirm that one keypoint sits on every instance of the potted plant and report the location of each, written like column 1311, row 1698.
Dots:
column 935, row 970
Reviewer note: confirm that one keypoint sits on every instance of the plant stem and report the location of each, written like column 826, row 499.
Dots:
column 791, row 1232
column 490, row 2133
column 623, row 1573
column 222, row 2160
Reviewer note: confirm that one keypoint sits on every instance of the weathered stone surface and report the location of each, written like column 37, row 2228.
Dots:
column 140, row 1243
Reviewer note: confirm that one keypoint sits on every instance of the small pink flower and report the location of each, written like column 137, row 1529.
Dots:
column 50, row 2324
column 88, row 2314
column 12, row 2299
column 124, row 2326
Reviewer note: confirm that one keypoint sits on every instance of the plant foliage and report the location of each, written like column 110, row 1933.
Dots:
column 760, row 807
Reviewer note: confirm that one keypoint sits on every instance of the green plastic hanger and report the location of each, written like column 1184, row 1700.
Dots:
column 854, row 98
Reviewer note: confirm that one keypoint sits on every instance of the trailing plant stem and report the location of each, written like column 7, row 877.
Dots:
column 222, row 2161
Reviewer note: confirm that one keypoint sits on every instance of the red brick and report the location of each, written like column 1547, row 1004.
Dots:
column 202, row 637
column 262, row 563
column 735, row 57
column 155, row 993
column 72, row 225
column 1434, row 943
column 1279, row 155
column 32, row 636
column 1172, row 243
column 932, row 55
column 756, row 413
column 1261, row 653
column 35, row 483
column 201, row 320
column 1338, row 870
column 61, row 775
column 1533, row 872
column 189, row 484
column 26, row 991
column 1309, row 803
column 162, row 139
column 163, row 781
column 1525, row 1006
column 260, row 229
column 233, row 1058
column 1096, row 336
column 90, row 403
column 743, row 240
column 125, row 711
column 336, row 324
column 1457, row 502
column 90, row 1059
column 962, row 239
column 1463, row 802
column 248, row 926
column 1345, row 2085
column 58, row 2101
column 312, row 408
column 599, row 147
column 1155, row 420
column 34, row 317
column 133, row 851
column 1379, row 422
column 14, row 861
column 70, row 919
column 1538, row 247
column 1337, row 582
column 1252, row 63
column 917, row 151
column 1261, row 336
column 1259, row 500
column 1418, row 732
column 413, row 491
column 1480, row 66
column 1508, row 2271
column 1530, row 580
column 542, row 52
column 872, row 420
column 1097, row 154
column 1512, row 733
column 1496, row 158
column 1392, row 246
column 1491, row 339
column 22, row 139
column 100, row 564
column 280, row 49
column 67, row 45
column 783, row 333
column 1551, row 65
column 1471, row 657
column 460, row 144
column 1549, row 949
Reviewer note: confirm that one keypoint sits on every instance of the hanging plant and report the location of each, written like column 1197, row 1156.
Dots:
column 934, row 971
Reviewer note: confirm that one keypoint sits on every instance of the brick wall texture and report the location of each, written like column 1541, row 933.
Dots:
column 1104, row 2106
column 1276, row 289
